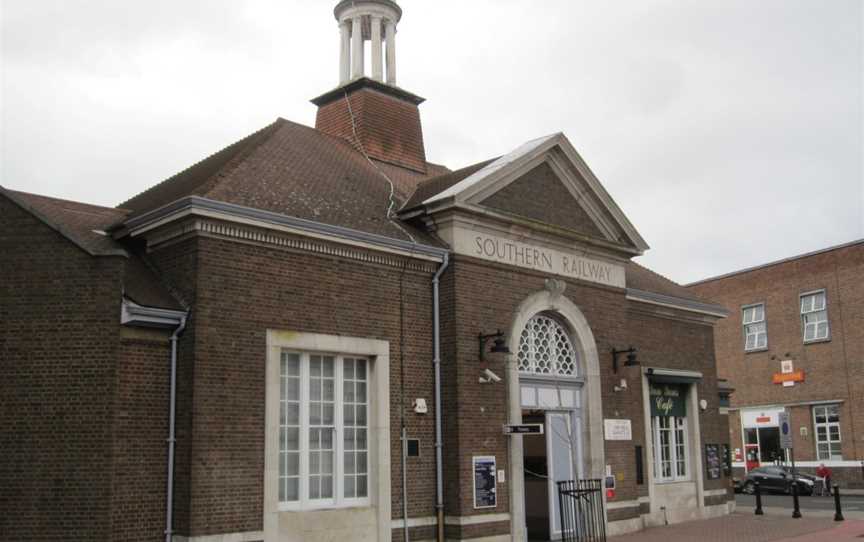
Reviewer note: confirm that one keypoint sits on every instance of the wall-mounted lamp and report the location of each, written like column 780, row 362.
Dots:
column 631, row 358
column 500, row 346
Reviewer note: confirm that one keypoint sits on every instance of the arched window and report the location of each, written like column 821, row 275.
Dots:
column 545, row 348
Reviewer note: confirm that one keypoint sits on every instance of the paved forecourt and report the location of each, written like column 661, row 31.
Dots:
column 745, row 527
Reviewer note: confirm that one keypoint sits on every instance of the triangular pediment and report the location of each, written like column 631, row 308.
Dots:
column 541, row 195
column 545, row 183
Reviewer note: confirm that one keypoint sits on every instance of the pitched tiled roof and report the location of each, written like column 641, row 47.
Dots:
column 81, row 223
column 428, row 188
column 301, row 172
column 642, row 278
column 85, row 226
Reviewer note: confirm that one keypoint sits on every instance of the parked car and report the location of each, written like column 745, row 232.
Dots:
column 776, row 479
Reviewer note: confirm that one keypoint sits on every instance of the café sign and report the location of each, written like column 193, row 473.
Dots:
column 537, row 257
column 668, row 400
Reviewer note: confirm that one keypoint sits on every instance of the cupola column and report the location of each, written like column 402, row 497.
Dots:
column 391, row 52
column 377, row 60
column 345, row 52
column 357, row 47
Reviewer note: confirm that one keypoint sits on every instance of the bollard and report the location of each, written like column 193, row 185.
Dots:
column 796, row 511
column 838, row 514
column 759, row 511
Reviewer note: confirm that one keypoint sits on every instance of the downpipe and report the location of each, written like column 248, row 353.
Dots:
column 436, row 361
column 172, row 417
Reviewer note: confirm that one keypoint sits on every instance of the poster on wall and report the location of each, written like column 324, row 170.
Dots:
column 485, row 492
column 727, row 460
column 712, row 461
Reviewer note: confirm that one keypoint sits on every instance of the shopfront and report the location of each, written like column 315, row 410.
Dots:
column 760, row 432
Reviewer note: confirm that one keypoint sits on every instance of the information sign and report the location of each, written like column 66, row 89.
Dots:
column 485, row 490
column 524, row 429
column 785, row 430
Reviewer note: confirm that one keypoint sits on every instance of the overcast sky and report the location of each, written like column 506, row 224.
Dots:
column 729, row 131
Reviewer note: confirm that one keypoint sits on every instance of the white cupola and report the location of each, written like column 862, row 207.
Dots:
column 367, row 20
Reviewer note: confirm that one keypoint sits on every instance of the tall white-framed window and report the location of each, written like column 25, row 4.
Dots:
column 826, row 421
column 814, row 316
column 755, row 327
column 323, row 430
column 671, row 453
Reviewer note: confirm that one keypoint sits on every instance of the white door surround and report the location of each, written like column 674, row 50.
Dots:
column 552, row 301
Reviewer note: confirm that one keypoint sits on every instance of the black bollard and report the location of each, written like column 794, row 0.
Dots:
column 796, row 511
column 759, row 511
column 838, row 514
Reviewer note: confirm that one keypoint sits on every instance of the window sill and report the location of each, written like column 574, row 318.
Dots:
column 755, row 350
column 673, row 482
column 817, row 341
column 298, row 509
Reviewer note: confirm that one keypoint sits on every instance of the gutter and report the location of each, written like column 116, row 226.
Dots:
column 436, row 361
column 132, row 314
column 204, row 207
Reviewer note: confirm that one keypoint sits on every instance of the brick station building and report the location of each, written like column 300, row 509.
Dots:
column 302, row 316
column 794, row 342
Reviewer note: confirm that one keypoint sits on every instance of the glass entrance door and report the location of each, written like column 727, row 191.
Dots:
column 562, row 438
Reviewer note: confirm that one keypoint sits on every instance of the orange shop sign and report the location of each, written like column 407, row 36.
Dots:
column 795, row 376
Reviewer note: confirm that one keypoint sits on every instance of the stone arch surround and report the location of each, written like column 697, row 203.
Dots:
column 552, row 300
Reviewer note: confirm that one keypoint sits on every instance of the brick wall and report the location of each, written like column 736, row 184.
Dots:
column 387, row 128
column 834, row 370
column 241, row 290
column 140, row 419
column 59, row 332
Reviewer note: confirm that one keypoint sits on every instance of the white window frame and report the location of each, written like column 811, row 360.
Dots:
column 305, row 502
column 814, row 311
column 673, row 444
column 747, row 322
column 827, row 425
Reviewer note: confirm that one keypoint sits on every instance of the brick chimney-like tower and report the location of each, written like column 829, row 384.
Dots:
column 377, row 117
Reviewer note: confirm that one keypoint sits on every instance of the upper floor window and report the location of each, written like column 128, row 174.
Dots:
column 826, row 420
column 545, row 348
column 814, row 316
column 323, row 430
column 755, row 328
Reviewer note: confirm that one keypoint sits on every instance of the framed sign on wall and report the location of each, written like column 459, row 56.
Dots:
column 485, row 490
column 712, row 461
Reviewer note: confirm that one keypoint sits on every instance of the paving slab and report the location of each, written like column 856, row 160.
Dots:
column 741, row 527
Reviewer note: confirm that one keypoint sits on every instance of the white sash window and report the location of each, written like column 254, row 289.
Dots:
column 814, row 317
column 323, row 431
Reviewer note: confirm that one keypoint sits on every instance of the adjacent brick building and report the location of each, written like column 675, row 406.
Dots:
column 794, row 342
column 307, row 316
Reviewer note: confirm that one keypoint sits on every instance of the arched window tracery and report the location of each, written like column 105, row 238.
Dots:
column 545, row 348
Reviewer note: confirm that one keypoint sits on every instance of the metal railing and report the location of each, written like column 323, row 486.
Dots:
column 583, row 518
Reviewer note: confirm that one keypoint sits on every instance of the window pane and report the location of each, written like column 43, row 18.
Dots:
column 349, row 487
column 759, row 313
column 349, row 439
column 292, row 463
column 819, row 301
column 833, row 413
column 349, row 463
column 834, row 433
column 806, row 303
column 362, row 490
column 292, row 489
column 361, row 439
column 361, row 463
column 822, row 330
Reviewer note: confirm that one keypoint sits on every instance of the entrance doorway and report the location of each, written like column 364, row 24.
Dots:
column 548, row 459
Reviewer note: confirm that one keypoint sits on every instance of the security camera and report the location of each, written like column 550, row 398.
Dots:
column 489, row 377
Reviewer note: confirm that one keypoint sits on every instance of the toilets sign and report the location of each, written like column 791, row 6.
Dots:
column 537, row 257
